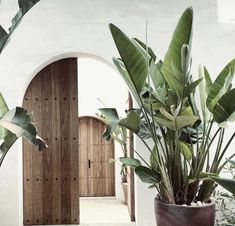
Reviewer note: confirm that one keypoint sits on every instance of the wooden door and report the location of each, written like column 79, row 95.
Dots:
column 96, row 174
column 50, row 178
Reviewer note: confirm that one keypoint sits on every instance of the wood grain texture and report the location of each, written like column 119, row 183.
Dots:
column 51, row 185
column 96, row 174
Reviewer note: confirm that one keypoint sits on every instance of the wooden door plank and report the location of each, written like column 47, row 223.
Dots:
column 27, row 171
column 74, row 156
column 47, row 155
column 55, row 141
column 37, row 156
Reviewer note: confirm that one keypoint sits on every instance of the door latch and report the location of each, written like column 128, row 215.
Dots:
column 89, row 163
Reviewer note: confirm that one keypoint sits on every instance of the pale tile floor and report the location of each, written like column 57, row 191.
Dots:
column 103, row 212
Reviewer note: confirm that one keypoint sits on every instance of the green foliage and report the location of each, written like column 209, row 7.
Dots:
column 182, row 166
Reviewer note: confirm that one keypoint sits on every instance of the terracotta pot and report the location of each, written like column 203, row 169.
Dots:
column 178, row 215
column 124, row 188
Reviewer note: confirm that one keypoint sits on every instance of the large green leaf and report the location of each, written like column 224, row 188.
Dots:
column 3, row 110
column 181, row 36
column 150, row 51
column 109, row 114
column 9, row 140
column 228, row 184
column 18, row 122
column 204, row 88
column 186, row 150
column 130, row 161
column 3, row 37
column 26, row 5
column 127, row 78
column 132, row 57
column 225, row 107
column 131, row 122
column 147, row 175
column 221, row 85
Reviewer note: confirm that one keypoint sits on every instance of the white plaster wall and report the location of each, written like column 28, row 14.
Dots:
column 58, row 28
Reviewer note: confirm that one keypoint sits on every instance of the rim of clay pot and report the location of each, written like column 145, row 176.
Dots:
column 204, row 205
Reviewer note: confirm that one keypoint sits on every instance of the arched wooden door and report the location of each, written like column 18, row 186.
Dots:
column 96, row 174
column 50, row 178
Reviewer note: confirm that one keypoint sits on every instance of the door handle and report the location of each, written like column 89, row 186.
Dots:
column 89, row 163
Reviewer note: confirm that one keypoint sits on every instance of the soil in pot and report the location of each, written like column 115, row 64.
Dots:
column 180, row 215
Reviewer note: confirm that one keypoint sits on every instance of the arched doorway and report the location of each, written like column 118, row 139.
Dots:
column 96, row 174
column 50, row 178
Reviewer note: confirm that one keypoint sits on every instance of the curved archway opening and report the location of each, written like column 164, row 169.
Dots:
column 98, row 85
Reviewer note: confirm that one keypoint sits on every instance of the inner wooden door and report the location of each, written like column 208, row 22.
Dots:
column 96, row 174
column 50, row 177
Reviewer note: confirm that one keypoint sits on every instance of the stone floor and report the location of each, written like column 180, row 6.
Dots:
column 103, row 212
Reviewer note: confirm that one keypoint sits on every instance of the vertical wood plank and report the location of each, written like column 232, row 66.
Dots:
column 27, row 171
column 37, row 160
column 55, row 140
column 47, row 155
column 74, row 156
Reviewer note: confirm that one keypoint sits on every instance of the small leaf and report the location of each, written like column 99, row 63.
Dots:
column 225, row 107
column 228, row 184
column 147, row 175
column 130, row 162
column 221, row 85
column 204, row 88
column 131, row 122
column 191, row 87
column 186, row 150
column 185, row 120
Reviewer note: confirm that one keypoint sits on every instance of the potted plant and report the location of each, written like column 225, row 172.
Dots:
column 119, row 134
column 186, row 146
column 17, row 122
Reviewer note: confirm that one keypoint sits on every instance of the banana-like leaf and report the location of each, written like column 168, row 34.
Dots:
column 3, row 109
column 204, row 89
column 181, row 36
column 131, row 122
column 110, row 129
column 186, row 150
column 127, row 78
column 191, row 87
column 225, row 107
column 148, row 49
column 228, row 184
column 130, row 162
column 221, row 85
column 3, row 37
column 132, row 57
column 26, row 5
column 18, row 123
column 109, row 113
column 147, row 175
column 9, row 140
column 153, row 159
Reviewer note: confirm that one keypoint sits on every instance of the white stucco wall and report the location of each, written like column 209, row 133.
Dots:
column 55, row 29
